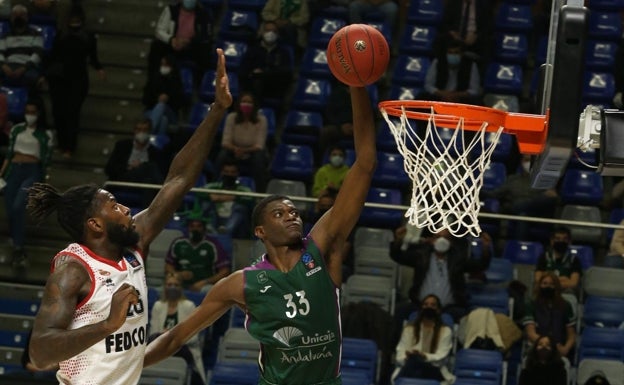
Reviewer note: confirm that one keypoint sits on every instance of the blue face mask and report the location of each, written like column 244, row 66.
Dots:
column 453, row 59
column 189, row 4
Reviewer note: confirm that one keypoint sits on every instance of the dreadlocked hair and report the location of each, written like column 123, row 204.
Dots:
column 72, row 207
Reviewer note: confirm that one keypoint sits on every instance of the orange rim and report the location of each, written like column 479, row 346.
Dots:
column 530, row 130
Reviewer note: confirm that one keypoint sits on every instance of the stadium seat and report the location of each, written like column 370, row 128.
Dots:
column 584, row 234
column 385, row 139
column 494, row 176
column 382, row 217
column 418, row 40
column 523, row 252
column 541, row 51
column 207, row 87
column 234, row 373
column 234, row 52
column 376, row 261
column 172, row 370
column 48, row 32
column 611, row 5
column 16, row 101
column 581, row 187
column 384, row 28
column 19, row 305
column 239, row 24
column 514, row 17
column 360, row 355
column 494, row 298
column 502, row 102
column 616, row 216
column 503, row 148
column 600, row 55
column 581, row 159
column 390, row 171
column 598, row 87
column 302, row 127
column 585, row 254
column 293, row 162
column 269, row 114
column 603, row 312
column 428, row 12
column 322, row 29
column 369, row 288
column 13, row 338
column 291, row 188
column 511, row 47
column 503, row 78
column 354, row 377
column 188, row 83
column 237, row 345
column 237, row 318
column 311, row 94
column 604, row 282
column 601, row 343
column 400, row 92
column 612, row 369
column 476, row 364
column 499, row 271
column 605, row 26
column 410, row 70
column 372, row 236
column 314, row 64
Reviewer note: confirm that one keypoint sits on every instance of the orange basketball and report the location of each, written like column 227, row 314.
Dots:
column 358, row 55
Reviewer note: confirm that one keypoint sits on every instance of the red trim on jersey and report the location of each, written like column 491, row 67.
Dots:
column 87, row 268
column 102, row 259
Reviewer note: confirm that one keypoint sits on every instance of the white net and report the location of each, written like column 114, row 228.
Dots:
column 446, row 172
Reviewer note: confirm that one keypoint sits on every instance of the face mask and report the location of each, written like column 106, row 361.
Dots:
column 336, row 160
column 228, row 180
column 173, row 293
column 189, row 4
column 429, row 313
column 246, row 108
column 543, row 354
column 196, row 236
column 526, row 166
column 31, row 119
column 441, row 245
column 269, row 37
column 165, row 70
column 560, row 246
column 141, row 137
column 547, row 292
column 453, row 59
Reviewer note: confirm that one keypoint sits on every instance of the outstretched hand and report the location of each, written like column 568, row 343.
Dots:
column 223, row 97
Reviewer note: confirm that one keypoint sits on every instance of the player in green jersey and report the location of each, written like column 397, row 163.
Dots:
column 291, row 295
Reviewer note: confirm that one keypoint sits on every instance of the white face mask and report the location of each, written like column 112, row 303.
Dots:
column 31, row 119
column 269, row 37
column 336, row 160
column 526, row 166
column 441, row 245
column 141, row 137
column 165, row 70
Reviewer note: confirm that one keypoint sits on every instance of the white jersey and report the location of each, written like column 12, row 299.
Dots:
column 118, row 358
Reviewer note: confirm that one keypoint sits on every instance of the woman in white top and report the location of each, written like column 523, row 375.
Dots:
column 171, row 309
column 29, row 152
column 425, row 345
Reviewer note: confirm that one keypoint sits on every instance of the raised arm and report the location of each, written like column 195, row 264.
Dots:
column 335, row 226
column 186, row 165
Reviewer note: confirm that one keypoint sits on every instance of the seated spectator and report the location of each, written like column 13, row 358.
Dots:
column 560, row 261
column 337, row 119
column 163, row 95
column 267, row 69
column 172, row 308
column 425, row 345
column 244, row 139
column 136, row 160
column 548, row 314
column 453, row 76
column 440, row 262
column 231, row 213
column 544, row 365
column 331, row 174
column 197, row 258
column 291, row 18
column 184, row 29
column 360, row 11
column 471, row 23
column 21, row 50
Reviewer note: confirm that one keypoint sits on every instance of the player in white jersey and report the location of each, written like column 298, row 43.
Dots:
column 93, row 315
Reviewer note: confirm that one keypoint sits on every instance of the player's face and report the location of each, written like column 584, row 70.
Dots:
column 282, row 224
column 118, row 222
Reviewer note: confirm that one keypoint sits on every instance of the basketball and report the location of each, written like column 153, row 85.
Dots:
column 358, row 55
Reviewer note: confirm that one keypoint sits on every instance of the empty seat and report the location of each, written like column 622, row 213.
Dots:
column 322, row 29
column 368, row 288
column 494, row 176
column 269, row 114
column 382, row 217
column 482, row 365
column 425, row 12
column 374, row 260
column 504, row 78
column 293, row 162
column 603, row 311
column 581, row 187
column 511, row 47
column 410, row 70
column 311, row 94
column 16, row 101
column 418, row 39
column 499, row 271
column 314, row 63
column 585, row 254
column 390, row 171
column 494, row 298
column 172, row 370
column 157, row 254
column 598, row 87
column 302, row 127
column 605, row 25
column 401, row 92
column 372, row 236
column 238, row 345
column 600, row 55
column 239, row 24
column 604, row 281
column 584, row 234
column 360, row 355
column 48, row 32
column 514, row 17
column 208, row 83
column 601, row 343
column 235, row 373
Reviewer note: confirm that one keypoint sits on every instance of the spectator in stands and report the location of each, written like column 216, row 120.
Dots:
column 267, row 67
column 337, row 119
column 163, row 95
column 136, row 160
column 173, row 307
column 231, row 213
column 544, row 365
column 74, row 48
column 615, row 255
column 361, row 10
column 331, row 174
column 470, row 22
column 559, row 260
column 184, row 29
column 197, row 258
column 244, row 139
column 440, row 262
column 28, row 155
column 425, row 345
column 453, row 76
column 21, row 50
column 291, row 17
column 548, row 314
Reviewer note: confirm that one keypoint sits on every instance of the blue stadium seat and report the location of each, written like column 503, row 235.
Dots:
column 603, row 311
column 514, row 17
column 522, row 252
column 616, row 215
column 400, row 92
column 418, row 39
column 494, row 298
column 160, row 141
column 601, row 343
column 197, row 114
column 598, row 86
column 352, row 377
column 13, row 338
column 234, row 52
column 335, row 12
column 499, row 271
column 207, row 87
column 503, row 78
column 311, row 94
column 541, row 51
column 476, row 364
column 247, row 181
column 605, row 26
column 234, row 373
column 494, row 176
column 322, row 29
column 237, row 317
column 293, row 162
column 581, row 187
column 188, row 83
column 302, row 127
column 600, row 55
column 4, row 27
column 194, row 296
column 19, row 306
column 48, row 32
column 410, row 70
column 269, row 114
column 611, row 5
column 511, row 47
column 314, row 63
column 381, row 217
column 425, row 12
column 390, row 171
column 16, row 101
column 359, row 355
column 580, row 159
column 384, row 28
column 584, row 253
column 385, row 139
column 239, row 24
column 503, row 148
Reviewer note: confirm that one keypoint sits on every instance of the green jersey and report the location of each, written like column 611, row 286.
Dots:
column 204, row 259
column 296, row 317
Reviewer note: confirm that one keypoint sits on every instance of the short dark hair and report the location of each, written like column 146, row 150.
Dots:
column 258, row 211
column 562, row 230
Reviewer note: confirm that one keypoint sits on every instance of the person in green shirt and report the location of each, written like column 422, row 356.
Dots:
column 331, row 174
column 291, row 295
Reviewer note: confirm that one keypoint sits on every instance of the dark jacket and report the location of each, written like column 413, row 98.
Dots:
column 117, row 164
column 158, row 84
column 458, row 263
column 539, row 374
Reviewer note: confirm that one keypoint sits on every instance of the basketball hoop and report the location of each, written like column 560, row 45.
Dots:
column 447, row 173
